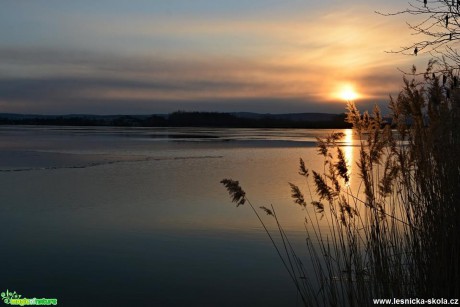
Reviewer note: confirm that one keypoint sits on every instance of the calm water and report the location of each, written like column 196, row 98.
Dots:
column 113, row 217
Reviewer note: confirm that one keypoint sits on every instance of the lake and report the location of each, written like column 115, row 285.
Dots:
column 103, row 216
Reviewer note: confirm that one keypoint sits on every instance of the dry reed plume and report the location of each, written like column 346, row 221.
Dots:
column 398, row 235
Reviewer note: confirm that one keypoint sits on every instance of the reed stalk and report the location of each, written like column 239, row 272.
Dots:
column 397, row 236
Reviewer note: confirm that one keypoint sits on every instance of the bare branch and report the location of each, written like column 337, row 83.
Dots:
column 438, row 30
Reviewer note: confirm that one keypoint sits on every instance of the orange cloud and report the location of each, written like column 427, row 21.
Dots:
column 301, row 58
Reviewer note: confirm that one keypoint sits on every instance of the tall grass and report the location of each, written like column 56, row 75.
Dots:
column 397, row 235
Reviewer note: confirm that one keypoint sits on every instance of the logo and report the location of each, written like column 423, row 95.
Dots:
column 12, row 298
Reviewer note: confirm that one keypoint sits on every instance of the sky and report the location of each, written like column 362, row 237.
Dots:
column 160, row 56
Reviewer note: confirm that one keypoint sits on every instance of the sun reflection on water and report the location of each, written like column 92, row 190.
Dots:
column 348, row 150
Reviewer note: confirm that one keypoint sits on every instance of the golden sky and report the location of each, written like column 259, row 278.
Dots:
column 154, row 57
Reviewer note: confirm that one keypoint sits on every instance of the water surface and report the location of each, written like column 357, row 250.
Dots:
column 119, row 216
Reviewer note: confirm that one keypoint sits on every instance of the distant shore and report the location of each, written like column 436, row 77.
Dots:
column 185, row 119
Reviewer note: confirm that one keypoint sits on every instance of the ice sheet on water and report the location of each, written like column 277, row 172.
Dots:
column 20, row 161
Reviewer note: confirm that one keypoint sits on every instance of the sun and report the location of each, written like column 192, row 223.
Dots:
column 348, row 93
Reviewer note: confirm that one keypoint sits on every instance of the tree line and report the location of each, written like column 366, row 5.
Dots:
column 177, row 119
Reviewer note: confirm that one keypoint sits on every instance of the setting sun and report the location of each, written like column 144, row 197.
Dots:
column 348, row 93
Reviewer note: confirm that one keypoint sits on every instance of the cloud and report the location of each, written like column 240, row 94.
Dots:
column 295, row 63
column 73, row 81
column 111, row 96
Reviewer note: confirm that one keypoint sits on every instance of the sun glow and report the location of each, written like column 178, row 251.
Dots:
column 346, row 91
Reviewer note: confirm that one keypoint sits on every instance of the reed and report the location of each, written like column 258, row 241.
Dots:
column 397, row 235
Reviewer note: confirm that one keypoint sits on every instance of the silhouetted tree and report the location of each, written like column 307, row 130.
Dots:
column 438, row 30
